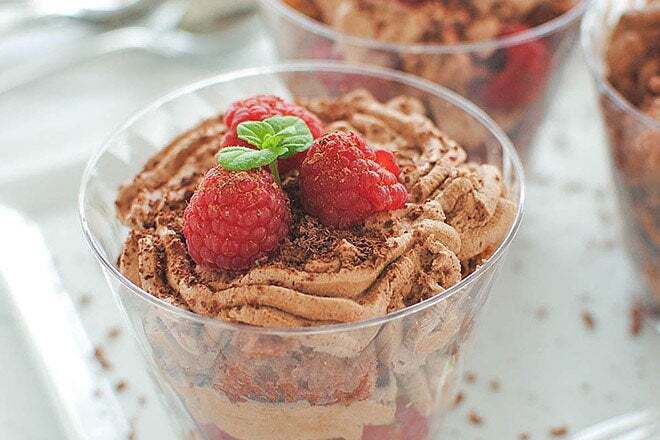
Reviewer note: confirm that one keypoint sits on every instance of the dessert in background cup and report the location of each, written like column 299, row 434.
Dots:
column 332, row 305
column 502, row 55
column 622, row 45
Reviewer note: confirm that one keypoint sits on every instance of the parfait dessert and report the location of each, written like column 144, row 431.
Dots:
column 632, row 117
column 277, row 215
column 501, row 54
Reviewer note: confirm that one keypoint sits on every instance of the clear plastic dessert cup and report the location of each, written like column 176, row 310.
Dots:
column 383, row 378
column 515, row 94
column 634, row 141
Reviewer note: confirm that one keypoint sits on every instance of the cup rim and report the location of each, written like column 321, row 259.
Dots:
column 326, row 31
column 587, row 26
column 306, row 66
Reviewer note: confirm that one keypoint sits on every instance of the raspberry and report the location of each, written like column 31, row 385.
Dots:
column 410, row 425
column 523, row 77
column 382, row 432
column 343, row 181
column 260, row 107
column 414, row 426
column 235, row 218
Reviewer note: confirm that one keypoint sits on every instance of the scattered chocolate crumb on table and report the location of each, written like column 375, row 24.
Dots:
column 494, row 385
column 588, row 320
column 559, row 431
column 541, row 313
column 474, row 418
column 99, row 355
column 524, row 436
column 121, row 386
column 133, row 433
column 636, row 319
column 114, row 333
column 458, row 399
column 470, row 377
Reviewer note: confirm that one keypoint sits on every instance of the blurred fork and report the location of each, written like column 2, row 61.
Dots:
column 642, row 425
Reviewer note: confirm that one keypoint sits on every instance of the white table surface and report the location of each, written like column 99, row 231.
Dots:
column 568, row 258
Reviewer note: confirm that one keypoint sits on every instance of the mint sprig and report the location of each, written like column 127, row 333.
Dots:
column 275, row 137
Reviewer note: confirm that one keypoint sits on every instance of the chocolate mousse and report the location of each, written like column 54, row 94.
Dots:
column 457, row 215
column 374, row 382
column 508, row 82
column 633, row 69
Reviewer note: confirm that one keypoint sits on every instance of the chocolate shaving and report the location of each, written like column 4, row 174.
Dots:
column 588, row 320
column 559, row 431
column 475, row 419
column 99, row 355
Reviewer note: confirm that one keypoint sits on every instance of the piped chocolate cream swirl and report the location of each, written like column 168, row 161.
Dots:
column 456, row 216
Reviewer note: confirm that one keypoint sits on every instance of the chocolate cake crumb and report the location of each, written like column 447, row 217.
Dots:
column 559, row 431
column 132, row 435
column 470, row 377
column 474, row 418
column 524, row 436
column 121, row 386
column 636, row 319
column 588, row 320
column 99, row 355
column 114, row 333
column 458, row 399
column 541, row 313
column 494, row 385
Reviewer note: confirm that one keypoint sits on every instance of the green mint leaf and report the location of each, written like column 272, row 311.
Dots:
column 242, row 158
column 289, row 132
column 292, row 132
column 279, row 136
column 256, row 133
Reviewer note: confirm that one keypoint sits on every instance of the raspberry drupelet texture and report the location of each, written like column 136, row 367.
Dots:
column 260, row 107
column 234, row 218
column 343, row 181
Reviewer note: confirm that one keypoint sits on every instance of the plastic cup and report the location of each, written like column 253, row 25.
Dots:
column 634, row 141
column 518, row 105
column 394, row 375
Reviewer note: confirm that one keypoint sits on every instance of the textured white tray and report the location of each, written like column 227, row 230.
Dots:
column 567, row 259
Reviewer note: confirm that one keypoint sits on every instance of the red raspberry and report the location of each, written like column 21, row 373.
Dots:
column 523, row 77
column 260, row 107
column 343, row 181
column 413, row 425
column 409, row 425
column 235, row 218
column 382, row 432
